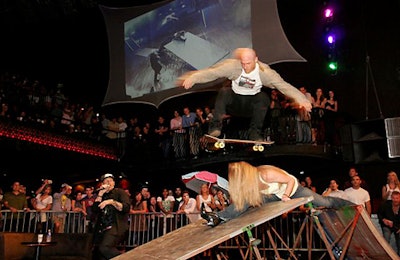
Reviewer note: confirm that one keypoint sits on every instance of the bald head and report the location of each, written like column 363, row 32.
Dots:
column 247, row 57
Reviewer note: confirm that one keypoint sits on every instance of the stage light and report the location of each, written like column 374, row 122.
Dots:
column 333, row 66
column 331, row 39
column 328, row 13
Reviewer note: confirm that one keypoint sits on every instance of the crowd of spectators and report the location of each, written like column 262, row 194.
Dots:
column 176, row 205
column 178, row 136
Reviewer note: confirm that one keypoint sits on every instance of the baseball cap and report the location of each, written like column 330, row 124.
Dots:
column 107, row 175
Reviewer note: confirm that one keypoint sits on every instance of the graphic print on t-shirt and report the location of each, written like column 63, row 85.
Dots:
column 246, row 82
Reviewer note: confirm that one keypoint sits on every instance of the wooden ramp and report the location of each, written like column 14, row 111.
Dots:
column 352, row 235
column 195, row 238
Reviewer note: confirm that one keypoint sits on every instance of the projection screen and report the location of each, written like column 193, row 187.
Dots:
column 151, row 46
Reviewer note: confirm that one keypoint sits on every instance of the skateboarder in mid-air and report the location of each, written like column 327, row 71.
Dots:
column 243, row 97
column 251, row 186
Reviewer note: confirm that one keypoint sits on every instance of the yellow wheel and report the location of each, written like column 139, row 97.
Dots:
column 255, row 148
column 260, row 148
column 216, row 144
column 221, row 145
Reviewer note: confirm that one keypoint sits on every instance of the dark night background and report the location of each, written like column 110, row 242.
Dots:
column 66, row 42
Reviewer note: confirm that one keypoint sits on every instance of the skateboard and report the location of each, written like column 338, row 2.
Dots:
column 219, row 143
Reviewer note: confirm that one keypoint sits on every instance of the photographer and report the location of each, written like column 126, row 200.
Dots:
column 112, row 205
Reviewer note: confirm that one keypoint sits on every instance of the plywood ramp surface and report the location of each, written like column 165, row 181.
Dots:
column 366, row 241
column 195, row 238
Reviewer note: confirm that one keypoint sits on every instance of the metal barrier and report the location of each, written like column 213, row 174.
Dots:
column 39, row 222
column 282, row 231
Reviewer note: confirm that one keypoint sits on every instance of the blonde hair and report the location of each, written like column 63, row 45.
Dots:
column 243, row 185
column 396, row 180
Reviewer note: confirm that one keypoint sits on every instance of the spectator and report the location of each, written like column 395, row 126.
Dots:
column 317, row 115
column 392, row 184
column 205, row 198
column 90, row 215
column 166, row 205
column 43, row 201
column 188, row 206
column 138, row 219
column 164, row 137
column 15, row 201
column 331, row 108
column 358, row 195
column 78, row 206
column 178, row 136
column 309, row 184
column 389, row 219
column 192, row 130
column 303, row 121
column 333, row 190
column 353, row 172
column 61, row 204
column 221, row 201
column 178, row 198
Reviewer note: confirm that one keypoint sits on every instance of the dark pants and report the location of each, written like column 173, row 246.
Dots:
column 230, row 103
column 107, row 242
column 318, row 201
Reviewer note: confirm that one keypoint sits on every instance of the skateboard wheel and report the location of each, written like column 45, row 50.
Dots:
column 216, row 144
column 260, row 148
column 221, row 145
column 255, row 148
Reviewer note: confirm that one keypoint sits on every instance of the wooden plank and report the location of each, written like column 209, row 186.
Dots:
column 366, row 241
column 195, row 238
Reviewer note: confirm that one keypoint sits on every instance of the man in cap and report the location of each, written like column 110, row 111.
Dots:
column 113, row 207
column 61, row 203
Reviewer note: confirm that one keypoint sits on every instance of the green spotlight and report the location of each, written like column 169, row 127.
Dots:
column 333, row 66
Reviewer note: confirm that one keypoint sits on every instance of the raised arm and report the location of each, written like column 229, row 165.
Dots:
column 223, row 69
column 271, row 79
column 274, row 174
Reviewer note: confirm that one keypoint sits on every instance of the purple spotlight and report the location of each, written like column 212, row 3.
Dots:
column 331, row 39
column 328, row 13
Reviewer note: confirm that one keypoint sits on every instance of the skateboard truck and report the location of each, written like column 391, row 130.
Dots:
column 253, row 242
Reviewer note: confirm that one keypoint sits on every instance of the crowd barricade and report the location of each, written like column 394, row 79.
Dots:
column 40, row 222
column 145, row 227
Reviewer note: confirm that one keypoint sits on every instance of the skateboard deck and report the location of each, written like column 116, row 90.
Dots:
column 219, row 143
column 195, row 238
column 366, row 242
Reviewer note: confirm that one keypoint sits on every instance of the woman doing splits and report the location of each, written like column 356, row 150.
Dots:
column 251, row 186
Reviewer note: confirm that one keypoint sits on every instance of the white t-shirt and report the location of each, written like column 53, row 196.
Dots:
column 191, row 210
column 390, row 191
column 357, row 196
column 248, row 83
column 208, row 200
column 42, row 204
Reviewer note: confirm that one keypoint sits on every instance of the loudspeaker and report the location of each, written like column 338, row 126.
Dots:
column 392, row 127
column 368, row 141
column 347, row 143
